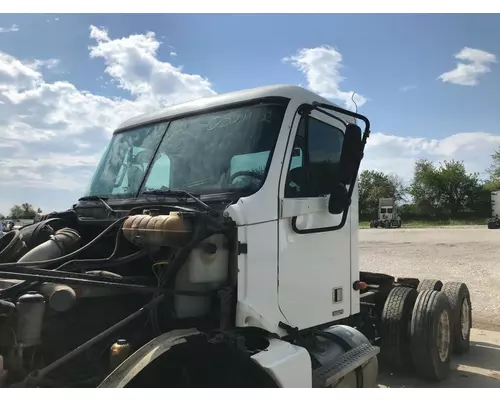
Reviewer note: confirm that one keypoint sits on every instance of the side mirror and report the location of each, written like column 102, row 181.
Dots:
column 339, row 199
column 350, row 158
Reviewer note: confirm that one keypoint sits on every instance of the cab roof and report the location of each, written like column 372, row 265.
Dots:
column 221, row 100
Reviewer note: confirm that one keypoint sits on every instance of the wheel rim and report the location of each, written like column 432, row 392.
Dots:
column 465, row 318
column 443, row 336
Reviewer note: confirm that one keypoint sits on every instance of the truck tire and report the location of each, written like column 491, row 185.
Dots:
column 431, row 335
column 461, row 314
column 395, row 324
column 429, row 284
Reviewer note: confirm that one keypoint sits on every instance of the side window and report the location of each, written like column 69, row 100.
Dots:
column 315, row 159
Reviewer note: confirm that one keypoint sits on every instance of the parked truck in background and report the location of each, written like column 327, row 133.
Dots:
column 388, row 214
column 494, row 221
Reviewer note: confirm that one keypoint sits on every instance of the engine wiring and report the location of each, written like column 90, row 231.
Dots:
column 12, row 290
column 69, row 270
column 160, row 270
column 46, row 263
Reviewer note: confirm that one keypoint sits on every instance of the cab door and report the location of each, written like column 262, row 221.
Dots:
column 314, row 276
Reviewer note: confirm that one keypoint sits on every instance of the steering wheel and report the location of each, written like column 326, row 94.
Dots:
column 251, row 174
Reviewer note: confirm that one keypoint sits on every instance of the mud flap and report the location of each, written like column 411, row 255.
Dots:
column 329, row 374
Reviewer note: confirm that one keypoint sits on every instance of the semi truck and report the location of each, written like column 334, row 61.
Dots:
column 217, row 246
column 388, row 215
column 494, row 221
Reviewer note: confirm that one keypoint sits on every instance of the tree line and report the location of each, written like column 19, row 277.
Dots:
column 23, row 211
column 445, row 191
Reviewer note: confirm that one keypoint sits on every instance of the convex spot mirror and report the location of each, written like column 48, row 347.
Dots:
column 350, row 158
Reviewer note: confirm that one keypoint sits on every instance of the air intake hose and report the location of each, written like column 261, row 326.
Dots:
column 11, row 246
column 64, row 241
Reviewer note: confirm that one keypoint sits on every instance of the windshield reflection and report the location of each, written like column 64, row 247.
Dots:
column 215, row 152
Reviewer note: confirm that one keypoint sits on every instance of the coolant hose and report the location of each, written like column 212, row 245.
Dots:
column 11, row 246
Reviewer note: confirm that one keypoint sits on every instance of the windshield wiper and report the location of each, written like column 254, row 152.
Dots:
column 99, row 199
column 180, row 194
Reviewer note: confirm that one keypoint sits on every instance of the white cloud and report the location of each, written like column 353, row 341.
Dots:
column 52, row 133
column 407, row 88
column 51, row 63
column 12, row 28
column 321, row 66
column 476, row 63
column 173, row 54
column 132, row 63
column 397, row 154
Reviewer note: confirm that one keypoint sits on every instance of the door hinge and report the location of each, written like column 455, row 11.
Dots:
column 242, row 248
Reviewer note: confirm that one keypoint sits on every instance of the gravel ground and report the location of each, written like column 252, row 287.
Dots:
column 470, row 255
column 479, row 368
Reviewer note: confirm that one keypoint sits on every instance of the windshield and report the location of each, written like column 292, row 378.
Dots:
column 215, row 152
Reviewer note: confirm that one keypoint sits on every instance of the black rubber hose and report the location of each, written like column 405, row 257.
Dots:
column 11, row 246
column 99, row 260
column 46, row 273
column 104, row 262
column 46, row 263
column 11, row 291
column 68, row 356
column 64, row 241
column 7, row 308
column 86, row 280
column 40, row 374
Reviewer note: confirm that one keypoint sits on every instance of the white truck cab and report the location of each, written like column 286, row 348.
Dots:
column 236, row 216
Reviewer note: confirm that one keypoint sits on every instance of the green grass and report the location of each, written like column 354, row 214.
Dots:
column 433, row 224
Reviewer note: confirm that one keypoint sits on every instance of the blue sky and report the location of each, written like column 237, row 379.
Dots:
column 64, row 85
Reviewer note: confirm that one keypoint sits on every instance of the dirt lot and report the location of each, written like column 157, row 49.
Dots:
column 471, row 255
column 480, row 368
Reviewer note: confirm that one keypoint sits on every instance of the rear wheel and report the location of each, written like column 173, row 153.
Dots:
column 430, row 284
column 492, row 225
column 461, row 314
column 431, row 335
column 396, row 317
